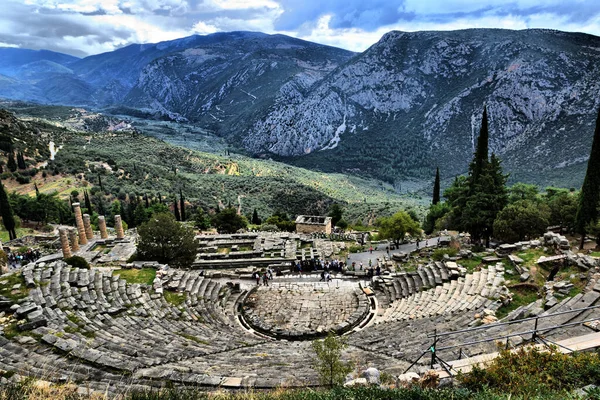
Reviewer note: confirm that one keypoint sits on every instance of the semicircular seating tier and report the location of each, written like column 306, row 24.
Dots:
column 94, row 328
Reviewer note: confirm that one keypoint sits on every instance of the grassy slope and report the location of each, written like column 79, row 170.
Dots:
column 144, row 165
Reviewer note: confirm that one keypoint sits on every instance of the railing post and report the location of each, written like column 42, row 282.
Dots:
column 535, row 329
column 432, row 348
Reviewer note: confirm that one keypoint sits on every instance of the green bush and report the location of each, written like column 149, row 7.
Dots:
column 355, row 248
column 438, row 254
column 531, row 372
column 77, row 262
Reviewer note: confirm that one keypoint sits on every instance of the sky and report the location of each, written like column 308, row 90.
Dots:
column 86, row 27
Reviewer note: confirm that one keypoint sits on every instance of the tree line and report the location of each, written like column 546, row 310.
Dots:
column 481, row 204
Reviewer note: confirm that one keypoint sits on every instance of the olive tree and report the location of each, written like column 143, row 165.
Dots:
column 165, row 240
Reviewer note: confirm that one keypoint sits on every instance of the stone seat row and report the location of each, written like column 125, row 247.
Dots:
column 464, row 294
column 102, row 320
column 206, row 299
column 410, row 336
column 425, row 277
column 405, row 340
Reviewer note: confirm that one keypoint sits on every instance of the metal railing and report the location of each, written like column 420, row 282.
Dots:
column 536, row 335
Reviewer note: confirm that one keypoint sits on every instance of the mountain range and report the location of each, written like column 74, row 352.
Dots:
column 409, row 103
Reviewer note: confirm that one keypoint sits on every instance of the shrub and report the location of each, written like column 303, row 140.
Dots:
column 532, row 372
column 355, row 248
column 22, row 179
column 438, row 254
column 47, row 228
column 77, row 262
column 328, row 360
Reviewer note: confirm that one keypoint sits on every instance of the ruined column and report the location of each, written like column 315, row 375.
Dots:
column 64, row 242
column 119, row 227
column 79, row 222
column 87, row 223
column 74, row 239
column 102, row 227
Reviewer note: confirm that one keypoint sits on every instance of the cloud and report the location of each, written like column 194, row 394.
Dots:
column 81, row 27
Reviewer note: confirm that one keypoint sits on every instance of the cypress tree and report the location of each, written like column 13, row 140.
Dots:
column 255, row 219
column 11, row 163
column 589, row 199
column 146, row 200
column 480, row 158
column 21, row 161
column 100, row 183
column 176, row 210
column 88, row 203
column 37, row 191
column 6, row 212
column 436, row 187
column 181, row 205
column 100, row 204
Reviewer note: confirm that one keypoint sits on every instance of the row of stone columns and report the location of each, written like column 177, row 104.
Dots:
column 71, row 239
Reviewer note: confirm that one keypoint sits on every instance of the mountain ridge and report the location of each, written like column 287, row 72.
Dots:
column 410, row 102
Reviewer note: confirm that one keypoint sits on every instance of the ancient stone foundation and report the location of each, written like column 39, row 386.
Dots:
column 64, row 242
column 87, row 224
column 79, row 222
column 119, row 227
column 102, row 227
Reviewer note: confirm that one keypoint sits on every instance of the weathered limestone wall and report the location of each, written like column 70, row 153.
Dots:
column 313, row 228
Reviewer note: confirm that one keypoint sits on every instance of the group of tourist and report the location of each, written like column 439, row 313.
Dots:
column 265, row 276
column 371, row 270
column 16, row 258
column 307, row 266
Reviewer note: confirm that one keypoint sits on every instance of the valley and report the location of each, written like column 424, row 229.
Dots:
column 409, row 103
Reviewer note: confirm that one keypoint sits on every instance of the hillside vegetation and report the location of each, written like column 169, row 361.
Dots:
column 129, row 163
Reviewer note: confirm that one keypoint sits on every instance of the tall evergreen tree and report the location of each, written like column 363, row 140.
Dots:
column 480, row 158
column 255, row 218
column 88, row 203
column 476, row 201
column 100, row 183
column 436, row 187
column 146, row 200
column 21, row 161
column 37, row 190
column 589, row 199
column 100, row 206
column 176, row 210
column 8, row 218
column 11, row 163
column 181, row 205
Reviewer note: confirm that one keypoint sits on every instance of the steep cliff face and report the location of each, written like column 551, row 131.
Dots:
column 414, row 100
column 227, row 86
column 409, row 103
